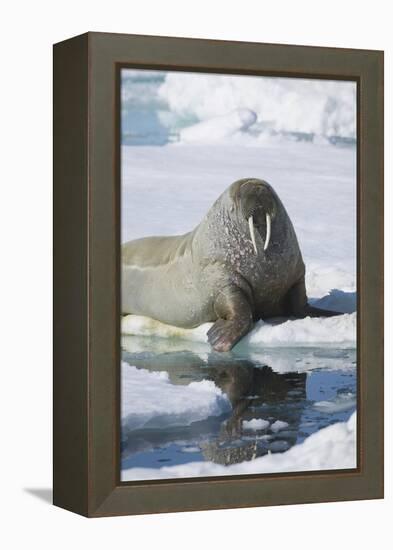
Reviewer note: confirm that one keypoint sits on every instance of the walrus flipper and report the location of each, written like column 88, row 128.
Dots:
column 234, row 319
column 299, row 306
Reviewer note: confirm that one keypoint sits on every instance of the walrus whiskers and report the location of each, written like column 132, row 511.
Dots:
column 252, row 234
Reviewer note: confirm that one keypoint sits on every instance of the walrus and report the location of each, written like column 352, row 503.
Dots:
column 242, row 263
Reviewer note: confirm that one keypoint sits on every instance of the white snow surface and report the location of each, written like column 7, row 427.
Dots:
column 331, row 448
column 218, row 128
column 148, row 399
column 340, row 330
column 322, row 107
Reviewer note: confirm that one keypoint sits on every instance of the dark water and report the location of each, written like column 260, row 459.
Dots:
column 307, row 388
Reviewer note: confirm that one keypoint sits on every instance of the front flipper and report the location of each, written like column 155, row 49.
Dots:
column 234, row 319
column 299, row 306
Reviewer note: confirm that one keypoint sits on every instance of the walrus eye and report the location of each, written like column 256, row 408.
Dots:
column 252, row 232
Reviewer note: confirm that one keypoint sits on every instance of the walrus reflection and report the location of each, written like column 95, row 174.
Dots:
column 249, row 387
column 253, row 391
column 254, row 394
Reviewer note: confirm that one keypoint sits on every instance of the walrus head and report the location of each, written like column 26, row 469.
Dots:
column 255, row 202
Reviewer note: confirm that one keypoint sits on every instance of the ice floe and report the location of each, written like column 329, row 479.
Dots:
column 148, row 399
column 331, row 448
column 285, row 333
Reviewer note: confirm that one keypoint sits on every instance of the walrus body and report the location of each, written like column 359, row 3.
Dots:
column 240, row 264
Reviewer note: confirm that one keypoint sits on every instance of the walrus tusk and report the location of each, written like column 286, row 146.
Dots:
column 252, row 234
column 268, row 231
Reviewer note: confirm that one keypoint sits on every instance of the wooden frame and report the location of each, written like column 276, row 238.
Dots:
column 86, row 274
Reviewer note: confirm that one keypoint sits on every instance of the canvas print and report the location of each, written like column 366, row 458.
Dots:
column 238, row 275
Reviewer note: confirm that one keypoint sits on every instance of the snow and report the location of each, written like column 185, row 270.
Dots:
column 255, row 424
column 331, row 448
column 340, row 330
column 148, row 399
column 321, row 107
column 218, row 128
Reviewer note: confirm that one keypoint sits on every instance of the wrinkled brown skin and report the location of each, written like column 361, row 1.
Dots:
column 212, row 274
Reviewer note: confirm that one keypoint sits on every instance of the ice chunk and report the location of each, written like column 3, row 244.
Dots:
column 279, row 425
column 255, row 424
column 342, row 403
column 149, row 399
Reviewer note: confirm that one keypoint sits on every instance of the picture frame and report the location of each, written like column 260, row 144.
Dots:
column 86, row 427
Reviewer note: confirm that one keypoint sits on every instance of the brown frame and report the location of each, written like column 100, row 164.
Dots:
column 86, row 274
